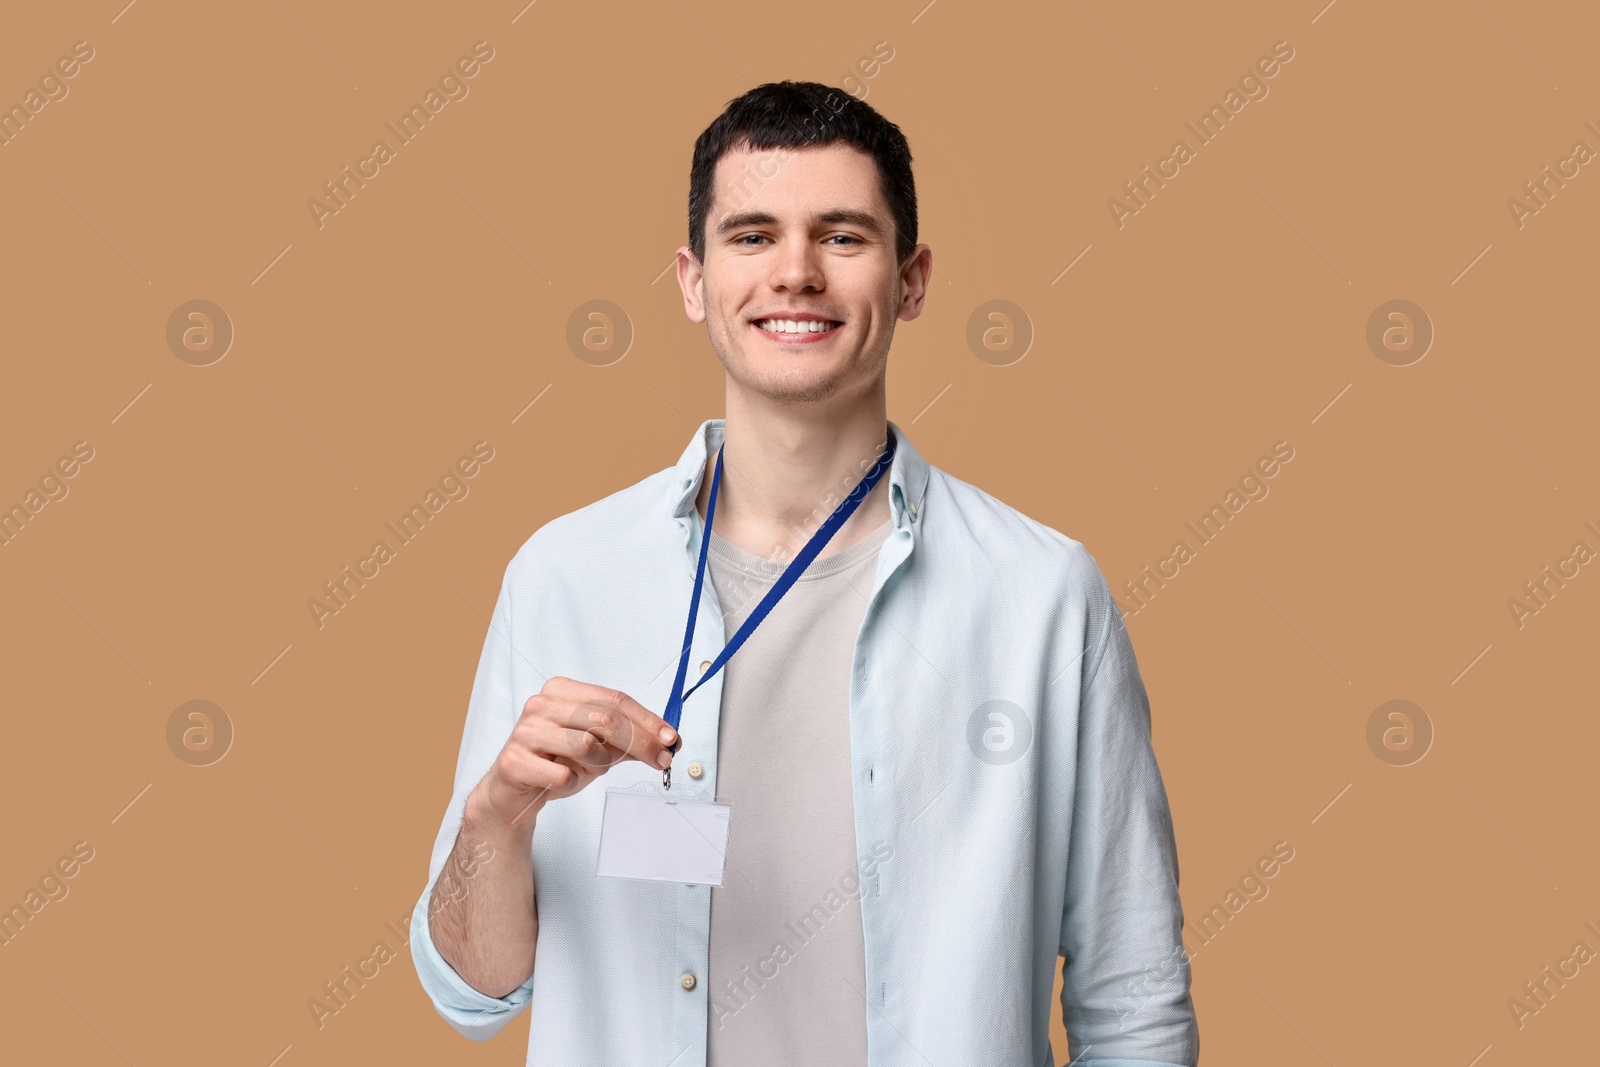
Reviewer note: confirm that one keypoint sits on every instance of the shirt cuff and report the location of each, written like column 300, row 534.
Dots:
column 473, row 1013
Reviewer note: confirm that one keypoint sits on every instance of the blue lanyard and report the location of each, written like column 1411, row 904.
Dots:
column 796, row 566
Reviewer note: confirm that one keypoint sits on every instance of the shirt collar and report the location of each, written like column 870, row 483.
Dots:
column 908, row 473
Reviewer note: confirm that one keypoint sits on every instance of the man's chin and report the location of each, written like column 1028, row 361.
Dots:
column 791, row 389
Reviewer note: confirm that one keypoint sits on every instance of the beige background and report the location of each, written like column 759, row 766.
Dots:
column 1230, row 313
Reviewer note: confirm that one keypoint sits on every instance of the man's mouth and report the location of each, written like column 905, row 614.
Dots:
column 797, row 331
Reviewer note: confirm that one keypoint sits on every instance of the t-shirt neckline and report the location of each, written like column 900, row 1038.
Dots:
column 824, row 565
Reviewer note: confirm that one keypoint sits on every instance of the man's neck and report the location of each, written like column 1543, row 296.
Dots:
column 784, row 473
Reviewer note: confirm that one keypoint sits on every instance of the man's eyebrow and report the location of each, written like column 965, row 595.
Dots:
column 864, row 220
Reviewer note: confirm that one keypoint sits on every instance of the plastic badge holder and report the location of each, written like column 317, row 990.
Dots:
column 650, row 835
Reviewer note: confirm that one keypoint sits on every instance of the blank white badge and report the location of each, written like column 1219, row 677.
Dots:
column 659, row 838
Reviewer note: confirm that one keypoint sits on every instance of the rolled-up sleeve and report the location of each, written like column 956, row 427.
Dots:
column 1125, row 992
column 492, row 713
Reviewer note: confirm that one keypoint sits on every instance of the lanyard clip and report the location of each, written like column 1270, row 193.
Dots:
column 666, row 772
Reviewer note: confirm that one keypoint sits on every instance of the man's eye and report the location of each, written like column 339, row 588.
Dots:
column 746, row 238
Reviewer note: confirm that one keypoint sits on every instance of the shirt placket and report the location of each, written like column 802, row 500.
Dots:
column 699, row 725
column 876, row 806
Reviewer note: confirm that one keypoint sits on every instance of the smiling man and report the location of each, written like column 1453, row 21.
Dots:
column 919, row 707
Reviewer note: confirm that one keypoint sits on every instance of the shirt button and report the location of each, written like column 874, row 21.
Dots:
column 705, row 665
column 695, row 770
column 687, row 981
column 913, row 510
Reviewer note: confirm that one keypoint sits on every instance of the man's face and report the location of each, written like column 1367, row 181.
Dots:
column 803, row 235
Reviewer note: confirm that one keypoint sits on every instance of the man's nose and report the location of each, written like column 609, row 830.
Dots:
column 798, row 266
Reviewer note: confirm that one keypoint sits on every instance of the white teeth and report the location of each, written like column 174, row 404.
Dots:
column 793, row 326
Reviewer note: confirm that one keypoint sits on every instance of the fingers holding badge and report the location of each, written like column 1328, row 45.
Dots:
column 569, row 734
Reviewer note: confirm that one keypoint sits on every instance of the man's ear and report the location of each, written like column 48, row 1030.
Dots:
column 913, row 278
column 691, row 280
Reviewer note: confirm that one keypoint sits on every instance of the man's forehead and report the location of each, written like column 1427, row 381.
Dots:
column 804, row 181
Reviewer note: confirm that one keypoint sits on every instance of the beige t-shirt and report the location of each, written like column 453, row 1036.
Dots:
column 787, row 971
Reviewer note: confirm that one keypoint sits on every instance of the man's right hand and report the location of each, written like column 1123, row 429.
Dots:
column 569, row 734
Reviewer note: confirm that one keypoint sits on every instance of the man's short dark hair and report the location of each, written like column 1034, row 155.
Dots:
column 791, row 114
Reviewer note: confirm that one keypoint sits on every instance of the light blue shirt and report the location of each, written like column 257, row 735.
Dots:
column 1000, row 757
